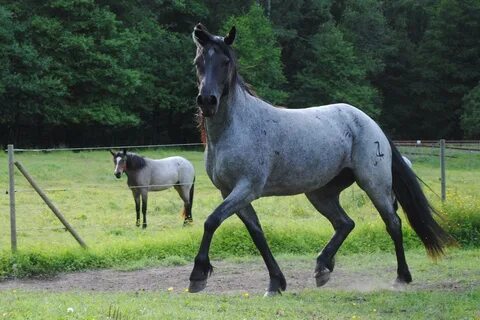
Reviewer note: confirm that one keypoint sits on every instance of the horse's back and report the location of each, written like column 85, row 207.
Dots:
column 327, row 139
column 170, row 171
column 304, row 149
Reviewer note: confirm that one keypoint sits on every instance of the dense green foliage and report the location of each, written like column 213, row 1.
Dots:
column 95, row 72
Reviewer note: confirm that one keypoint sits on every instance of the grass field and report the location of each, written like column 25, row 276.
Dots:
column 449, row 289
column 101, row 209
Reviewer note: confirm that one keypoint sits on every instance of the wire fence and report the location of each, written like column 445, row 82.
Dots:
column 92, row 189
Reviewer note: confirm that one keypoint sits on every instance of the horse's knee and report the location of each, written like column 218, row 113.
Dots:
column 348, row 225
column 211, row 224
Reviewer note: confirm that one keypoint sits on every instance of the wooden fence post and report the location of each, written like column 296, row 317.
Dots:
column 442, row 169
column 50, row 204
column 11, row 191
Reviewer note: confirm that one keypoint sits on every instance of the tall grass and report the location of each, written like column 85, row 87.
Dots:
column 101, row 208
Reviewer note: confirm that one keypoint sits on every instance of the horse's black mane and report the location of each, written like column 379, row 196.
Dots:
column 235, row 77
column 135, row 162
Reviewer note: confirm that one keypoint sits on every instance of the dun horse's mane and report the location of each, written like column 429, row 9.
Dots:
column 135, row 162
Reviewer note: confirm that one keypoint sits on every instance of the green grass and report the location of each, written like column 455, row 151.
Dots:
column 101, row 209
column 307, row 305
column 423, row 299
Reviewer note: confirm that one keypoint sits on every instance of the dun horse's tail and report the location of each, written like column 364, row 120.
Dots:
column 418, row 210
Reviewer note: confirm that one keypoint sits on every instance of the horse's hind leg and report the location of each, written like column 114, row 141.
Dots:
column 186, row 194
column 277, row 280
column 383, row 201
column 328, row 204
column 144, row 208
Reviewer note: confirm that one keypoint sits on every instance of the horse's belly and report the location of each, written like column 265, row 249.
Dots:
column 294, row 173
column 296, row 186
column 159, row 187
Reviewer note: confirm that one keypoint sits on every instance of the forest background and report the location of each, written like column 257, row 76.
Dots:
column 116, row 72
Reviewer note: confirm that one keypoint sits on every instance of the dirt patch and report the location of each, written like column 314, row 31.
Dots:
column 230, row 277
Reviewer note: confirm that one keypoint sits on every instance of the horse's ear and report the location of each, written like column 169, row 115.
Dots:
column 230, row 37
column 124, row 151
column 113, row 153
column 200, row 34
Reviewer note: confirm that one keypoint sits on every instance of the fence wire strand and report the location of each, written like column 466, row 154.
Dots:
column 110, row 148
column 410, row 148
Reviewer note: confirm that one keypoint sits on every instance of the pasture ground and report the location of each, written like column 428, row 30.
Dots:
column 101, row 209
column 360, row 288
column 132, row 269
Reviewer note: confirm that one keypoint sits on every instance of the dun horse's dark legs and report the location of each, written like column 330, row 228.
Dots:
column 144, row 209
column 329, row 206
column 250, row 219
column 187, row 203
column 188, row 213
column 136, row 197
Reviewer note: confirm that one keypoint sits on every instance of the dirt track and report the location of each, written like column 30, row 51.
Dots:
column 230, row 277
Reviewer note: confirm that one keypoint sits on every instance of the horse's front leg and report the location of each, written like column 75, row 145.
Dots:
column 277, row 280
column 239, row 198
column 136, row 197
column 144, row 208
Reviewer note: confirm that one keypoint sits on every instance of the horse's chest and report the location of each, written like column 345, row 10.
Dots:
column 227, row 167
column 216, row 166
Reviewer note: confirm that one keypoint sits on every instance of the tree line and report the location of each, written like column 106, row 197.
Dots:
column 106, row 72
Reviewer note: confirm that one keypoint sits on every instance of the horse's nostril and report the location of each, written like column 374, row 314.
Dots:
column 205, row 101
column 213, row 100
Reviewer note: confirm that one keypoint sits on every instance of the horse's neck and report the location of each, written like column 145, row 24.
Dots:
column 234, row 110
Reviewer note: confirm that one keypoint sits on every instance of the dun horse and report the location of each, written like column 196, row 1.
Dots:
column 146, row 175
column 256, row 150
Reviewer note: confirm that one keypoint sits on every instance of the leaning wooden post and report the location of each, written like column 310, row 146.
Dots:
column 442, row 169
column 11, row 191
column 50, row 204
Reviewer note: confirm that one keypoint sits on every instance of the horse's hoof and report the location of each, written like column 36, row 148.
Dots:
column 197, row 285
column 187, row 222
column 400, row 284
column 144, row 226
column 137, row 223
column 269, row 294
column 322, row 277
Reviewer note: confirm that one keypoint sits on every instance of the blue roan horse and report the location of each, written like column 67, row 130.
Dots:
column 256, row 150
column 146, row 175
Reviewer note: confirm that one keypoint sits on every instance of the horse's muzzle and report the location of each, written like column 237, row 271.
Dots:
column 118, row 175
column 208, row 112
column 208, row 104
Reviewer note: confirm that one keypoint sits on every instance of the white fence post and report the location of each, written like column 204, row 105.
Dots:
column 11, row 191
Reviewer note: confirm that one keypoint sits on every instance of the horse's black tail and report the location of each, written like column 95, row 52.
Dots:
column 418, row 210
